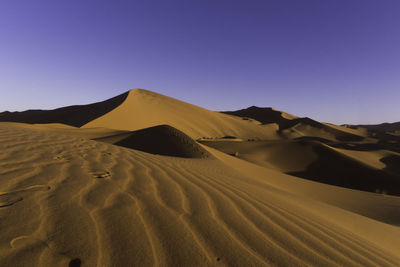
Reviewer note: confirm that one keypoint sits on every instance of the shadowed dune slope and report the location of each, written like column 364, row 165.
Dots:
column 143, row 109
column 72, row 115
column 162, row 139
column 313, row 160
column 67, row 200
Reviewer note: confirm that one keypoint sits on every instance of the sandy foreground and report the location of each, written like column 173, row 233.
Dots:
column 94, row 196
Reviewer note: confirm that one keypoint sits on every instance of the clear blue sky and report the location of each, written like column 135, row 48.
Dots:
column 336, row 61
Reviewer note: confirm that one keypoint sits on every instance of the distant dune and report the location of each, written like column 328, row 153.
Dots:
column 383, row 127
column 263, row 115
column 143, row 179
column 293, row 126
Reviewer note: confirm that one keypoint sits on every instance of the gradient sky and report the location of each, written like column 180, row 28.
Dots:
column 335, row 61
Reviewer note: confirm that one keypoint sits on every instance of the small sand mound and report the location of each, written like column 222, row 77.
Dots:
column 161, row 139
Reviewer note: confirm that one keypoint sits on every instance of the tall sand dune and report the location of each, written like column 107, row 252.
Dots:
column 143, row 109
column 70, row 201
column 138, row 109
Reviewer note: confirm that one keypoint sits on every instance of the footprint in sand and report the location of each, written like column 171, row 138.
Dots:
column 6, row 201
column 101, row 175
column 10, row 198
column 61, row 157
column 75, row 263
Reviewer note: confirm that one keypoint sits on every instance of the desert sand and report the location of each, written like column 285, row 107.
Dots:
column 147, row 180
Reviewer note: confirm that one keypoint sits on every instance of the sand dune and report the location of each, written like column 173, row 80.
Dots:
column 124, row 183
column 146, row 109
column 383, row 127
column 95, row 204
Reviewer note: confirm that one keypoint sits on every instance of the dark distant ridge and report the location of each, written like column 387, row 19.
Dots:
column 269, row 115
column 383, row 127
column 76, row 116
column 263, row 115
column 161, row 139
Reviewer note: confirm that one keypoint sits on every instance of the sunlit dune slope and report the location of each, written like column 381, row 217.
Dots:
column 143, row 109
column 67, row 200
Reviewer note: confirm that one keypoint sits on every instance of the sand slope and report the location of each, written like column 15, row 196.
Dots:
column 67, row 200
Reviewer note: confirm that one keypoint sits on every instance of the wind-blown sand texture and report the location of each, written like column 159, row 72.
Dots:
column 127, row 198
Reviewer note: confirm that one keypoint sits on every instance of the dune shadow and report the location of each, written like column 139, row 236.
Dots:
column 392, row 163
column 75, row 263
column 76, row 116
